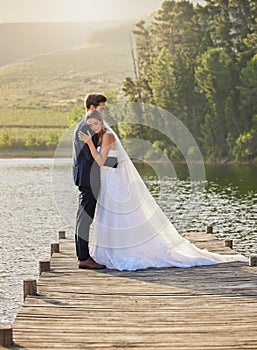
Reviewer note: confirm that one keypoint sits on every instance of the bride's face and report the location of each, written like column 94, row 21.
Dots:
column 95, row 125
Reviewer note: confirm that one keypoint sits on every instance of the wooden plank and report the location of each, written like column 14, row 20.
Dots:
column 208, row 307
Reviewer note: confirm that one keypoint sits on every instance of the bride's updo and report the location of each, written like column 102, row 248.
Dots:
column 96, row 115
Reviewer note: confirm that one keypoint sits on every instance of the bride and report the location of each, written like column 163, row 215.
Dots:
column 131, row 232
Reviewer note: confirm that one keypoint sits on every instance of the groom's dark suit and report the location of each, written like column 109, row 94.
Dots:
column 86, row 175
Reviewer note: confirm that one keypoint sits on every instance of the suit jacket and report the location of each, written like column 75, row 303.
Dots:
column 86, row 171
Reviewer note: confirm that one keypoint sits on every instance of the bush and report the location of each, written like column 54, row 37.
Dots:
column 112, row 96
column 32, row 142
column 246, row 146
column 76, row 114
column 5, row 139
column 52, row 141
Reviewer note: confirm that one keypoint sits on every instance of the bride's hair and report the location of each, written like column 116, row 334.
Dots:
column 96, row 115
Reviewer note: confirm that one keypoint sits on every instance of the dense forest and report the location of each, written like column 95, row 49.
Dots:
column 200, row 64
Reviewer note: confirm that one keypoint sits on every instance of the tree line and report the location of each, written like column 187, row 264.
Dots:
column 35, row 140
column 200, row 64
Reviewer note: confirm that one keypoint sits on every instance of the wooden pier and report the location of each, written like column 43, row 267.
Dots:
column 199, row 308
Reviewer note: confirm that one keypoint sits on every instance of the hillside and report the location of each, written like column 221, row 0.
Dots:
column 24, row 40
column 38, row 93
column 60, row 77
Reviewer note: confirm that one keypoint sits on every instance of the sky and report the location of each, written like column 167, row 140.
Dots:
column 74, row 10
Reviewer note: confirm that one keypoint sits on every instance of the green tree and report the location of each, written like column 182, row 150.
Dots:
column 248, row 93
column 144, row 51
column 214, row 78
column 171, row 23
column 162, row 80
column 131, row 89
column 199, row 63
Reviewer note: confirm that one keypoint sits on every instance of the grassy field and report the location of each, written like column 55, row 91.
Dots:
column 32, row 117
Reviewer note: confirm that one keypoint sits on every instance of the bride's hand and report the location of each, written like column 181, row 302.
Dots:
column 84, row 137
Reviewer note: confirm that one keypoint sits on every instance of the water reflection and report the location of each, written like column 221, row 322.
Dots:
column 242, row 179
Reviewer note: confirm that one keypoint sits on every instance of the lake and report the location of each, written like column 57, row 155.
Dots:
column 30, row 220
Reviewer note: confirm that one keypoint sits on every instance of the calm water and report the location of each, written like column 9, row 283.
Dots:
column 30, row 220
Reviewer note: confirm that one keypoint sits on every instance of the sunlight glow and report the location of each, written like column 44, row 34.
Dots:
column 74, row 10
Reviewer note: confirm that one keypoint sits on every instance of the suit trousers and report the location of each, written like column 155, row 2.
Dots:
column 85, row 216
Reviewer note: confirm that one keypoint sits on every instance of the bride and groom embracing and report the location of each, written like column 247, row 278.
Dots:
column 130, row 230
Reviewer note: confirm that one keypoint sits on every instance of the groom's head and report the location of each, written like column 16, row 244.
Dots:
column 95, row 101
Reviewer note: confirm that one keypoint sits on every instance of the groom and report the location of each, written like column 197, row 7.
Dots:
column 86, row 175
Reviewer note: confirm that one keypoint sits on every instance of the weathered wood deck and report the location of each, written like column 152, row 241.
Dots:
column 210, row 307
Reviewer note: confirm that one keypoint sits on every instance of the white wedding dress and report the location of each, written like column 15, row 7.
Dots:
column 131, row 232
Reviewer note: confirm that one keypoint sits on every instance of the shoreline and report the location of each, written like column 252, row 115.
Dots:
column 50, row 154
column 28, row 154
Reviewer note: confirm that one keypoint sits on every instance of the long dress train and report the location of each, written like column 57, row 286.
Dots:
column 131, row 232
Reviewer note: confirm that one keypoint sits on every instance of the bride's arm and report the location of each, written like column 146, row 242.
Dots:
column 107, row 142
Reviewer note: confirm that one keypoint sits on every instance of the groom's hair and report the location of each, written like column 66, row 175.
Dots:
column 95, row 100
